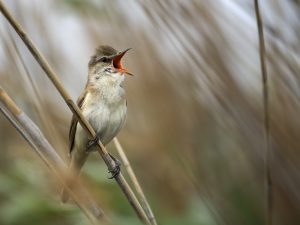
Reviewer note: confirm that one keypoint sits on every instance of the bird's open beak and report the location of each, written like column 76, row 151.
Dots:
column 116, row 61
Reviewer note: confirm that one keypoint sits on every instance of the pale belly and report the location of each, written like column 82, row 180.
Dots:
column 106, row 121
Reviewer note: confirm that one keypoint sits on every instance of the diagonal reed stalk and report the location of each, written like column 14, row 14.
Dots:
column 268, row 175
column 127, row 191
column 35, row 138
column 145, row 204
column 35, row 97
column 38, row 104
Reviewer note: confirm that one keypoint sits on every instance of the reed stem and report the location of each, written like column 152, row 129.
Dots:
column 76, row 111
column 268, row 174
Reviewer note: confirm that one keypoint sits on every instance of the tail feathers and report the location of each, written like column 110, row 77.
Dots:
column 64, row 196
column 76, row 163
column 64, row 192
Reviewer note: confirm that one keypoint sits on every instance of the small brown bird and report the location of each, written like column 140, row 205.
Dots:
column 103, row 104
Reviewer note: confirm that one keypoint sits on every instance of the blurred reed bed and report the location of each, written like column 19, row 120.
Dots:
column 195, row 122
column 35, row 138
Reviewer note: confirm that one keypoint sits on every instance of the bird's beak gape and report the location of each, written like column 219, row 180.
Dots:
column 116, row 62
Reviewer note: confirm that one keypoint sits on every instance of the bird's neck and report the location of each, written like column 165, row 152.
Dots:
column 107, row 90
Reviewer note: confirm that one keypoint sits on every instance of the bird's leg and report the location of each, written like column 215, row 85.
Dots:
column 116, row 171
column 92, row 142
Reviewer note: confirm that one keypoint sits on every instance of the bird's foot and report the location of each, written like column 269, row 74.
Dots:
column 116, row 171
column 91, row 143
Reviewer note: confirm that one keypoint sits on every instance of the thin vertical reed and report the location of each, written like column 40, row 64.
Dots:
column 268, row 174
column 145, row 204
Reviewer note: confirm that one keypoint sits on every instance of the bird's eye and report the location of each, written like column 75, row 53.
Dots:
column 97, row 77
column 104, row 59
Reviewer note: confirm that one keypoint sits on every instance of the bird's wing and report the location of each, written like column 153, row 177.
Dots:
column 74, row 121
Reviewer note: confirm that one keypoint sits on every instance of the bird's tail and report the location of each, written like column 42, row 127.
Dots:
column 77, row 161
column 64, row 195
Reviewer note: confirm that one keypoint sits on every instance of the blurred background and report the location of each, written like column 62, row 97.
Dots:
column 194, row 131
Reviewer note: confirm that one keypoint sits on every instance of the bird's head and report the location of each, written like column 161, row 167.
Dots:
column 105, row 64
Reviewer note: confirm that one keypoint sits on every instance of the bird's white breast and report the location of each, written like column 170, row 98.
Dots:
column 106, row 112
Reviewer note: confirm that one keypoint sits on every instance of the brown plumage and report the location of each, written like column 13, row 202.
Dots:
column 74, row 121
column 102, row 103
column 101, row 51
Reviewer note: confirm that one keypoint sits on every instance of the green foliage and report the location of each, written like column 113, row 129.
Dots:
column 25, row 199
